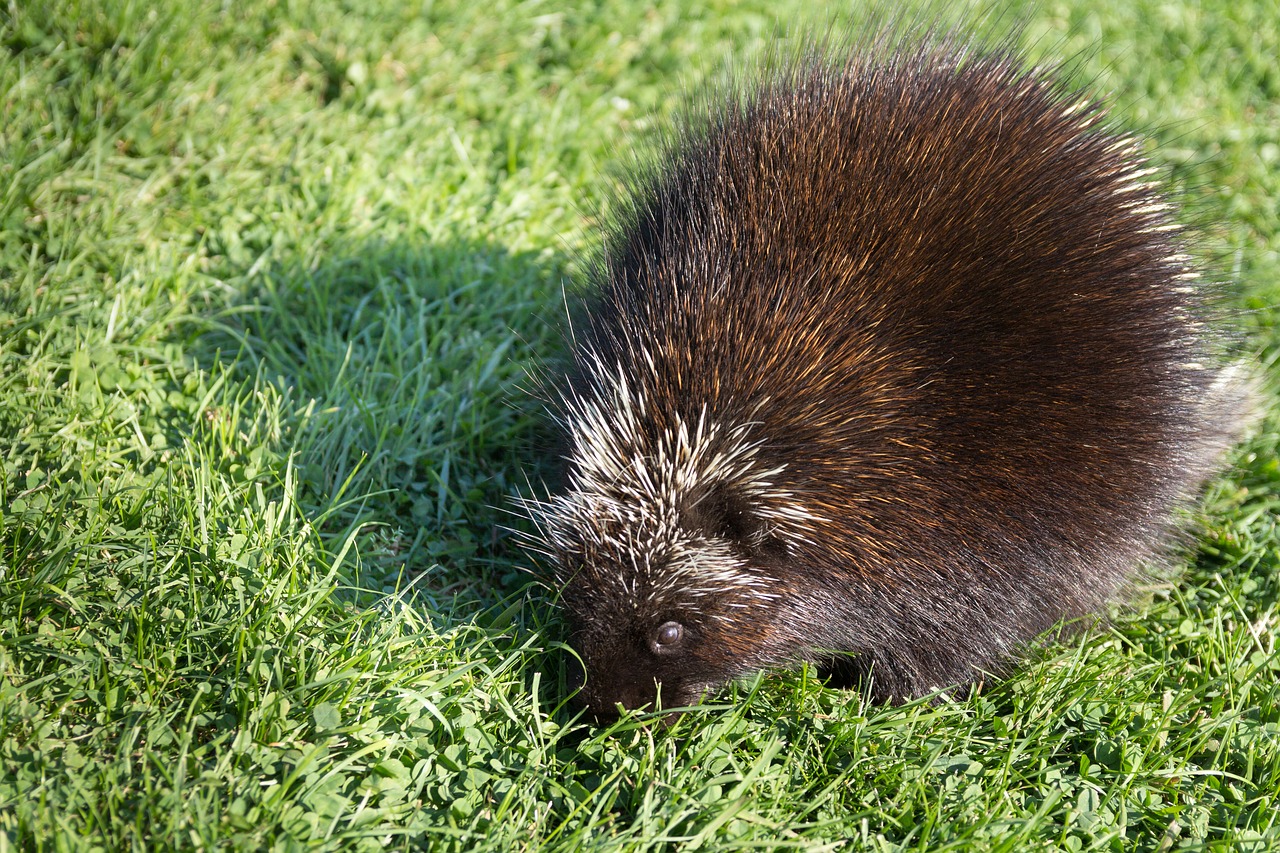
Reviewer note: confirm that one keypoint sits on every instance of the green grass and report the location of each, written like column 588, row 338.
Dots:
column 270, row 283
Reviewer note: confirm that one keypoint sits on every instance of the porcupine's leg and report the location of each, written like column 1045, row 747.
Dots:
column 887, row 678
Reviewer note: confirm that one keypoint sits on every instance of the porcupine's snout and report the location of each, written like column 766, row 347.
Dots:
column 621, row 672
column 608, row 692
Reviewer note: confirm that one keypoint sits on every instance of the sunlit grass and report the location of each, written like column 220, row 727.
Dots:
column 272, row 282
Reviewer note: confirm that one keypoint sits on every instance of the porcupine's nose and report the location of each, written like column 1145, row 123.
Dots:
column 604, row 696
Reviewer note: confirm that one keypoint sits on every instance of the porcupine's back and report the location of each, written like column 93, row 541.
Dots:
column 954, row 329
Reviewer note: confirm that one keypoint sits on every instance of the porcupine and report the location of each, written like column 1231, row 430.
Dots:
column 891, row 364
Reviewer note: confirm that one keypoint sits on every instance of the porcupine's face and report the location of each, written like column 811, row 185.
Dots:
column 662, row 613
column 666, row 544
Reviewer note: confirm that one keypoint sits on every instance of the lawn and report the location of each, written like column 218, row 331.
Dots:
column 273, row 279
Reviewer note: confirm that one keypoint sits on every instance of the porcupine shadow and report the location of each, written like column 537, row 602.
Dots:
column 420, row 427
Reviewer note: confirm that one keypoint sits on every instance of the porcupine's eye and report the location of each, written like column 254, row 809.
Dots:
column 668, row 636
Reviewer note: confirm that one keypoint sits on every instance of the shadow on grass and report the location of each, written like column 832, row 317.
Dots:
column 395, row 377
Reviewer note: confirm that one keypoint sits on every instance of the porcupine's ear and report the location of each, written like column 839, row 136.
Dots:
column 723, row 512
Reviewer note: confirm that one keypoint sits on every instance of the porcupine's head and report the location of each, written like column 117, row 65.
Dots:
column 668, row 539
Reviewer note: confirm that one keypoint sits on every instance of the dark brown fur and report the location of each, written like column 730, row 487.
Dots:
column 910, row 281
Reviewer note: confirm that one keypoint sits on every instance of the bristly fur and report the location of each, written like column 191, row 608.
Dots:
column 897, row 360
